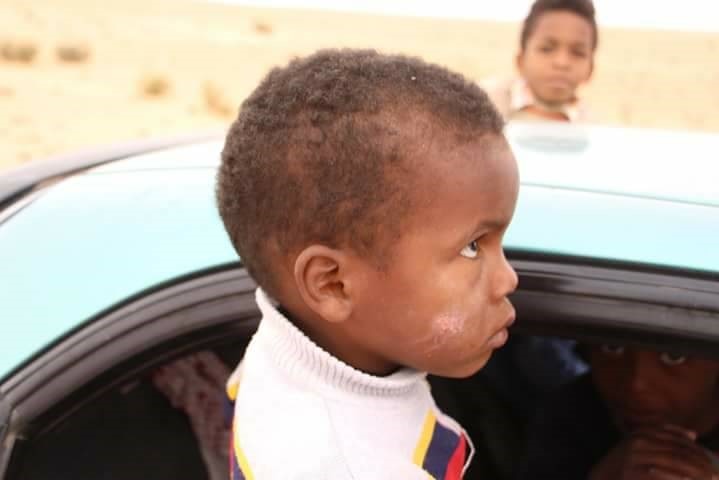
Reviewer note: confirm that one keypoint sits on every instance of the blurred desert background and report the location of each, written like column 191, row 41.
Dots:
column 82, row 73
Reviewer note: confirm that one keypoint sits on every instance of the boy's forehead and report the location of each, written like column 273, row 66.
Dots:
column 450, row 170
column 457, row 155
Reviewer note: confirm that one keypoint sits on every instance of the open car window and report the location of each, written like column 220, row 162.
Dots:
column 96, row 391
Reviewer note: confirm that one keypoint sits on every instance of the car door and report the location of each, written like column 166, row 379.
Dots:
column 86, row 407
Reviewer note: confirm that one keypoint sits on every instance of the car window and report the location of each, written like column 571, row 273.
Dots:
column 153, row 426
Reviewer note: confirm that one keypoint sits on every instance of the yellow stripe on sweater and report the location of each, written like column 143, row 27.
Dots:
column 232, row 390
column 242, row 460
column 420, row 450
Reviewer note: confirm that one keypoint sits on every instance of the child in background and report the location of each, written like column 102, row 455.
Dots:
column 556, row 56
column 368, row 196
column 640, row 414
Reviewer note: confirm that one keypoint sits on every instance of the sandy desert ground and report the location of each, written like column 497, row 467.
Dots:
column 82, row 73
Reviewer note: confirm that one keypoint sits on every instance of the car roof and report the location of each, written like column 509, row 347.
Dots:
column 665, row 165
column 103, row 235
column 631, row 195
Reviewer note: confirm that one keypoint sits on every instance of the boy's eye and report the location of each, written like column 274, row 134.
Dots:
column 672, row 359
column 613, row 350
column 579, row 53
column 471, row 250
column 546, row 48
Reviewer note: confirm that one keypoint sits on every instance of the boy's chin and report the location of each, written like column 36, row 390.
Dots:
column 464, row 370
column 556, row 98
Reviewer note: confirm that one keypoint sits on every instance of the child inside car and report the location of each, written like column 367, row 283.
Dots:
column 639, row 414
column 368, row 196
column 557, row 44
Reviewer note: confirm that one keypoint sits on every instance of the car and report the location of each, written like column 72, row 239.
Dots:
column 115, row 267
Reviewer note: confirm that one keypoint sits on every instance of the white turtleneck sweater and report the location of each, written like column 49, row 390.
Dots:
column 301, row 413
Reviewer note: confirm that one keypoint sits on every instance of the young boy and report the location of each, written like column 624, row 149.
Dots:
column 368, row 196
column 556, row 56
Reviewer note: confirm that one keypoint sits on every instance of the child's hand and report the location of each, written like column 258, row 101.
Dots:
column 663, row 453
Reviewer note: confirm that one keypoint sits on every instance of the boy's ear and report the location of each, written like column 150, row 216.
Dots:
column 518, row 60
column 321, row 277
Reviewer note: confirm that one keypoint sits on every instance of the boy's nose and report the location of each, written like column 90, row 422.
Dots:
column 507, row 279
column 636, row 384
column 561, row 59
column 638, row 373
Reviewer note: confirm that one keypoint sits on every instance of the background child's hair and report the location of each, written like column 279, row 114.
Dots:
column 321, row 153
column 583, row 8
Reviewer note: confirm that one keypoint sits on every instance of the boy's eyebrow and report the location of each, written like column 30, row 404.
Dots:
column 489, row 224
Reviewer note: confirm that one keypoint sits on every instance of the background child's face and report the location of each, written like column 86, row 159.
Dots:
column 558, row 56
column 648, row 388
column 441, row 304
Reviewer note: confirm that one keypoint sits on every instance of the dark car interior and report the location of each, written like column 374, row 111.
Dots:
column 133, row 430
column 130, row 431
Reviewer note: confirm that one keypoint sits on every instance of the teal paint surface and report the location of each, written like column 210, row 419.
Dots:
column 611, row 227
column 94, row 240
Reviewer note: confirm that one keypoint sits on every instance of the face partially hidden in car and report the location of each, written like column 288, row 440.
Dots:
column 640, row 413
column 645, row 388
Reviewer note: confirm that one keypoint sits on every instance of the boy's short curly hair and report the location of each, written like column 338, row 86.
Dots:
column 583, row 8
column 318, row 153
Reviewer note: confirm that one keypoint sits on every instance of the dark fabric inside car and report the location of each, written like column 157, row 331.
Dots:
column 130, row 432
column 497, row 404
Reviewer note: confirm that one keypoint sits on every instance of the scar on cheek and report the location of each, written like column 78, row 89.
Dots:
column 442, row 327
column 447, row 324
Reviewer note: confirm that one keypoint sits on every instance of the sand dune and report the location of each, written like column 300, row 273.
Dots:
column 158, row 67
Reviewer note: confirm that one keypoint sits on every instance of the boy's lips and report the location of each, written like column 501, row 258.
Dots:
column 558, row 82
column 500, row 338
column 634, row 417
column 634, row 422
column 511, row 318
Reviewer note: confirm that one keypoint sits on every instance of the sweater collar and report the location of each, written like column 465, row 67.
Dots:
column 297, row 355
